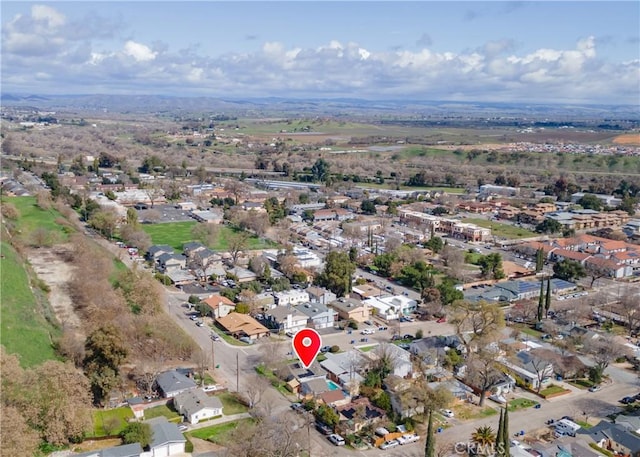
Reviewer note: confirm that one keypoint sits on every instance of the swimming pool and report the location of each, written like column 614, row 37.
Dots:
column 333, row 386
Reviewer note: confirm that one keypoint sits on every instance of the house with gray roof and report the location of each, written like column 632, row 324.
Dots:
column 167, row 262
column 629, row 422
column 343, row 369
column 126, row 450
column 166, row 438
column 614, row 438
column 171, row 383
column 319, row 316
column 157, row 250
column 195, row 405
column 320, row 295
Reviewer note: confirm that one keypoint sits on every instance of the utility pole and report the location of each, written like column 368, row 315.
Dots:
column 213, row 357
column 237, row 373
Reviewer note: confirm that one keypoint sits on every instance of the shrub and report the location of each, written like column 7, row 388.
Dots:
column 419, row 334
column 335, row 348
column 194, row 299
column 353, row 324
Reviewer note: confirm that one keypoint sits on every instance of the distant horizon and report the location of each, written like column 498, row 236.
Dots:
column 540, row 52
column 26, row 95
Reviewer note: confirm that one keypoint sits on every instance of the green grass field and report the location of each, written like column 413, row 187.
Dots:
column 521, row 403
column 219, row 433
column 115, row 419
column 231, row 405
column 25, row 331
column 176, row 234
column 391, row 185
column 160, row 411
column 502, row 230
column 33, row 217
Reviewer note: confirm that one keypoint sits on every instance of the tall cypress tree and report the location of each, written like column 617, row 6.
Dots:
column 539, row 260
column 430, row 445
column 541, row 301
column 547, row 298
column 499, row 451
column 505, row 431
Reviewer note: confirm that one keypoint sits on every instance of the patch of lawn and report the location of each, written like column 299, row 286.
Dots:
column 228, row 338
column 502, row 230
column 219, row 434
column 33, row 217
column 552, row 389
column 368, row 348
column 176, row 234
column 466, row 411
column 584, row 424
column 110, row 422
column 521, row 403
column 231, row 405
column 581, row 383
column 160, row 411
column 529, row 331
column 25, row 330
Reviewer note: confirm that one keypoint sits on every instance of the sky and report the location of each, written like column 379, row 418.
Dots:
column 580, row 52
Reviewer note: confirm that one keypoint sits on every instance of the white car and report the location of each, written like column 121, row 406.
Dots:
column 408, row 438
column 368, row 331
column 389, row 444
column 336, row 439
column 448, row 413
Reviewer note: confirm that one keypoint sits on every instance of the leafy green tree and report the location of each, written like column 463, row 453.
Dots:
column 275, row 209
column 137, row 432
column 435, row 243
column 327, row 415
column 320, row 170
column 337, row 273
column 590, row 201
column 383, row 263
column 448, row 292
column 105, row 353
column 628, row 204
column 549, row 226
column 491, row 266
column 418, row 275
column 569, row 270
column 368, row 207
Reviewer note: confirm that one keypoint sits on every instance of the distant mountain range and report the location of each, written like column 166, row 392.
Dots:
column 276, row 106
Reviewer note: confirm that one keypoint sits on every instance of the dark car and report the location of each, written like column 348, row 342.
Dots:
column 627, row 400
column 324, row 428
column 325, row 349
column 408, row 337
column 298, row 407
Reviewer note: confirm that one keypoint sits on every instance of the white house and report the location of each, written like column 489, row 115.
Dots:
column 196, row 406
column 291, row 297
column 286, row 319
column 391, row 308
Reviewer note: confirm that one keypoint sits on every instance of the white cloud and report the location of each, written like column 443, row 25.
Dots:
column 49, row 15
column 139, row 51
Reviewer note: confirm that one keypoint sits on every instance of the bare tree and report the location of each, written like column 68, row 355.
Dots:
column 476, row 324
column 603, row 351
column 206, row 233
column 237, row 242
column 255, row 388
column 483, row 372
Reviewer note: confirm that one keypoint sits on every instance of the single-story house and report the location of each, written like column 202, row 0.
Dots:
column 242, row 325
column 532, row 370
column 359, row 413
column 391, row 308
column 219, row 305
column 126, row 450
column 167, row 440
column 242, row 274
column 313, row 388
column 171, row 383
column 614, row 438
column 195, row 405
column 350, row 308
column 192, row 247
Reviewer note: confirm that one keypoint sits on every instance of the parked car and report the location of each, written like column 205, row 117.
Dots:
column 246, row 339
column 408, row 438
column 211, row 388
column 336, row 439
column 199, row 323
column 367, row 331
column 627, row 400
column 448, row 413
column 324, row 428
column 215, row 337
column 389, row 444
column 441, row 320
column 325, row 349
column 408, row 336
column 182, row 428
column 297, row 407
column 594, row 388
column 382, row 328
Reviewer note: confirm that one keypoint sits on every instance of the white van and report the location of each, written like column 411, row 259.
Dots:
column 567, row 427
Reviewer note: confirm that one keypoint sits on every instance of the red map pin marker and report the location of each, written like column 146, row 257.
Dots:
column 306, row 345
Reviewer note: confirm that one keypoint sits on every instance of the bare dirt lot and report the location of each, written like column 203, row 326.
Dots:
column 50, row 266
column 629, row 139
